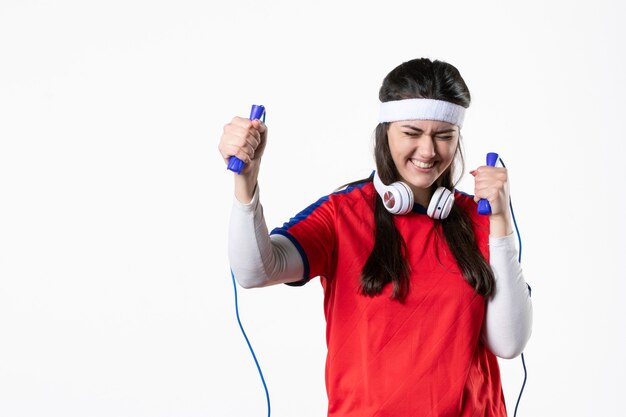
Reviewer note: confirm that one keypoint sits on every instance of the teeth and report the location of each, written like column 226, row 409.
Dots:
column 421, row 164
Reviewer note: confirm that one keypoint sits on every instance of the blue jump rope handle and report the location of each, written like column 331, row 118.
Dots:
column 483, row 205
column 235, row 164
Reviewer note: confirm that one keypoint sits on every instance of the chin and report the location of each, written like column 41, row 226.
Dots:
column 420, row 181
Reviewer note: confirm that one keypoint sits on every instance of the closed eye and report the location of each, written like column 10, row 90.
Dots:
column 440, row 134
column 438, row 137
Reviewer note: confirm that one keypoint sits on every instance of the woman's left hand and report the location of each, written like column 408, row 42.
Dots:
column 492, row 184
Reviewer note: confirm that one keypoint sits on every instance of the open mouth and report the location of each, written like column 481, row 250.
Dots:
column 422, row 165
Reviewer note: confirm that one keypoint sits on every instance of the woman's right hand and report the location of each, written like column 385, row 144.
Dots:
column 245, row 139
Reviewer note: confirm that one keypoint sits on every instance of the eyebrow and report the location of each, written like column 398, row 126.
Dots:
column 417, row 129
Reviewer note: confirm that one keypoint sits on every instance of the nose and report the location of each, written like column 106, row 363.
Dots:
column 426, row 147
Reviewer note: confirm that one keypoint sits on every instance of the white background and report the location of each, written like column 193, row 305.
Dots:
column 115, row 292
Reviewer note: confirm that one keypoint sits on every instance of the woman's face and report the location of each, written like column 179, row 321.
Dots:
column 422, row 150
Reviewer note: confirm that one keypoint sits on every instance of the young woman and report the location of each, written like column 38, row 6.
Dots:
column 421, row 293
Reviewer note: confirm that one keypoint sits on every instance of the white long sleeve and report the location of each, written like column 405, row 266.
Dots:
column 257, row 259
column 509, row 315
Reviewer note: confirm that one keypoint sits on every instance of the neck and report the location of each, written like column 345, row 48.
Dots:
column 422, row 195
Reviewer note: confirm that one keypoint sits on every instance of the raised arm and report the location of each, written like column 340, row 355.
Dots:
column 256, row 259
column 509, row 315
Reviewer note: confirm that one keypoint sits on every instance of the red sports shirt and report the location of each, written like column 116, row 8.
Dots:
column 387, row 359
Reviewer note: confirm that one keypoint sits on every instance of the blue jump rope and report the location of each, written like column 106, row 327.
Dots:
column 236, row 165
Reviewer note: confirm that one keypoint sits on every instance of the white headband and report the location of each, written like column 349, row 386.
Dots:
column 421, row 109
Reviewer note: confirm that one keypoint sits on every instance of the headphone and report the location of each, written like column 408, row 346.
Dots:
column 398, row 199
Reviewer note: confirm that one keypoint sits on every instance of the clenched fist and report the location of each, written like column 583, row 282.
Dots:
column 492, row 184
column 245, row 139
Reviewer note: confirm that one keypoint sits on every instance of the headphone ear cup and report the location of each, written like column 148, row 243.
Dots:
column 397, row 197
column 404, row 198
column 440, row 204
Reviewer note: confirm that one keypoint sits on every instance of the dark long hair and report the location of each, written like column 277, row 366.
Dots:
column 420, row 78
